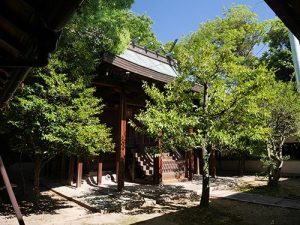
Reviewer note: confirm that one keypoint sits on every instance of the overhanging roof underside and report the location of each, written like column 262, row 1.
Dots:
column 29, row 31
column 289, row 12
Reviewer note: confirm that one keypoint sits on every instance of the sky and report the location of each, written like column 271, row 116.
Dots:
column 174, row 18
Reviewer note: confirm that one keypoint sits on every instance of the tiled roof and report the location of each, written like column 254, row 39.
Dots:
column 149, row 62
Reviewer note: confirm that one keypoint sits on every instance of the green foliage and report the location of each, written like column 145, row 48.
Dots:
column 283, row 122
column 278, row 56
column 162, row 121
column 52, row 115
column 101, row 26
column 218, row 59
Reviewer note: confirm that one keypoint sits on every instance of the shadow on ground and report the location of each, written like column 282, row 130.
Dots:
column 287, row 188
column 225, row 212
column 46, row 205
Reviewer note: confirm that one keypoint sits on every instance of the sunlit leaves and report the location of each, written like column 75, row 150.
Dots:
column 53, row 114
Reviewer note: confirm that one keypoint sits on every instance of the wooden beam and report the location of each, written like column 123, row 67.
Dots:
column 11, row 194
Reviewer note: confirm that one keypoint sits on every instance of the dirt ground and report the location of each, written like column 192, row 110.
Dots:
column 169, row 209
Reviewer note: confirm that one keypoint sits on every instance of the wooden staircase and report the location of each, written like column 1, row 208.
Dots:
column 173, row 166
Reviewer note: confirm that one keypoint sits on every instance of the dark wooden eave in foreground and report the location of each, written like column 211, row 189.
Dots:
column 29, row 32
column 289, row 12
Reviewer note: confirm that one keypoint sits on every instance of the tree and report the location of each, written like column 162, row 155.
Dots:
column 279, row 55
column 283, row 123
column 218, row 57
column 52, row 115
column 55, row 111
column 101, row 26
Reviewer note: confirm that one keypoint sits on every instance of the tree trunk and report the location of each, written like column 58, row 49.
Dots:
column 275, row 171
column 36, row 177
column 275, row 174
column 204, row 202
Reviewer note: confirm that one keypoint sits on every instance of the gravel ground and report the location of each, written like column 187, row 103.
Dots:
column 136, row 204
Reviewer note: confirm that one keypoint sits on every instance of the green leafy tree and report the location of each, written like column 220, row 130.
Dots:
column 56, row 111
column 100, row 27
column 52, row 115
column 218, row 58
column 283, row 122
column 279, row 55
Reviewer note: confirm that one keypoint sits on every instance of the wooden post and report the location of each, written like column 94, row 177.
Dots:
column 79, row 173
column 71, row 170
column 157, row 163
column 99, row 173
column 158, row 170
column 242, row 164
column 121, row 151
column 63, row 168
column 191, row 160
column 198, row 164
column 212, row 166
column 11, row 194
column 133, row 168
column 191, row 164
column 186, row 170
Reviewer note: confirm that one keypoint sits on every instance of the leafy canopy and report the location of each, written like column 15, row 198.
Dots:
column 52, row 114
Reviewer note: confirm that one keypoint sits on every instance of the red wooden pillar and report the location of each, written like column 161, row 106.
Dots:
column 191, row 165
column 191, row 160
column 62, row 168
column 158, row 165
column 121, row 151
column 71, row 170
column 212, row 164
column 11, row 194
column 99, row 174
column 79, row 173
column 133, row 168
column 186, row 158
